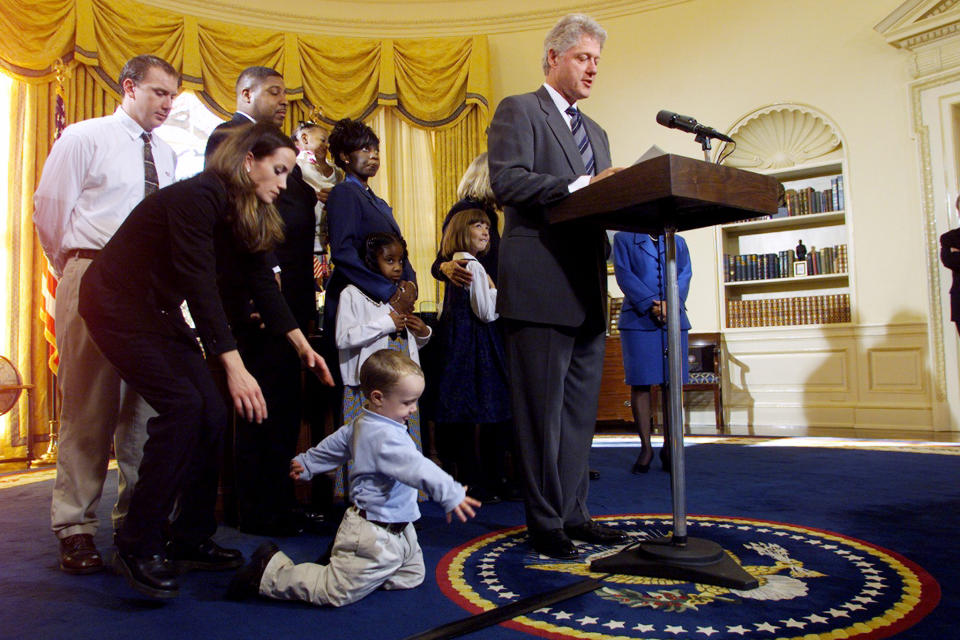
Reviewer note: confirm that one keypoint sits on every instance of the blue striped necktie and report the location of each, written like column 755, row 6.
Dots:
column 150, row 181
column 580, row 137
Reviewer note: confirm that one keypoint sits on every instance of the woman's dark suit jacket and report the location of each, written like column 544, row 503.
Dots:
column 178, row 245
column 353, row 213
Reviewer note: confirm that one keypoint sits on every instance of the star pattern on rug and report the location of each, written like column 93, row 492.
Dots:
column 785, row 558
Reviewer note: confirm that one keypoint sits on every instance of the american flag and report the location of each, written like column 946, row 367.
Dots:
column 49, row 279
column 321, row 268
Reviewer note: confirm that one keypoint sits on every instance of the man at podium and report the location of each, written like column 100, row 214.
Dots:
column 552, row 285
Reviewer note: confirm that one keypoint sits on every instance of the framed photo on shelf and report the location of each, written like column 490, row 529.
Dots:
column 800, row 268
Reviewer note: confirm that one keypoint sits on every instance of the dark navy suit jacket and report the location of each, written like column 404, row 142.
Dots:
column 353, row 213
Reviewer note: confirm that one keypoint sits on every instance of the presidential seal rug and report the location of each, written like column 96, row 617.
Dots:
column 813, row 584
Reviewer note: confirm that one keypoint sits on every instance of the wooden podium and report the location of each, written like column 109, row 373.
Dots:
column 664, row 195
column 673, row 191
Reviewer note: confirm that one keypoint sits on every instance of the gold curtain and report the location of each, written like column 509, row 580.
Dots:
column 429, row 97
column 405, row 181
column 31, row 118
column 454, row 149
column 33, row 34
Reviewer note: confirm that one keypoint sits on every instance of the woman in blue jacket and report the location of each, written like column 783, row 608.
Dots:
column 640, row 266
column 353, row 213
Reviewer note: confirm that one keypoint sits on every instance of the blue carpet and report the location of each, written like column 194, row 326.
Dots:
column 906, row 503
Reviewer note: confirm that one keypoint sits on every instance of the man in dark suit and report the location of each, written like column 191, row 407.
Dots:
column 950, row 257
column 552, row 285
column 262, row 452
column 261, row 97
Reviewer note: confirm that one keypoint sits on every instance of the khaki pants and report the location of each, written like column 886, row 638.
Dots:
column 97, row 407
column 365, row 557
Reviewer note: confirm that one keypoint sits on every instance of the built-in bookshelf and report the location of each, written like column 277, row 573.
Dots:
column 614, row 304
column 791, row 268
column 786, row 312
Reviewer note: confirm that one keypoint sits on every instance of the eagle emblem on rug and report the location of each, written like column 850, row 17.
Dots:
column 812, row 584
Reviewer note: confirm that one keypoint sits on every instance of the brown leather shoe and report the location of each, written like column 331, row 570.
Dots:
column 79, row 555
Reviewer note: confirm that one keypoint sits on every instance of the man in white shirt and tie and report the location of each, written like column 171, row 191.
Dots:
column 97, row 171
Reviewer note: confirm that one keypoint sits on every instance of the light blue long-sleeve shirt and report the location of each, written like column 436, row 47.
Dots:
column 387, row 471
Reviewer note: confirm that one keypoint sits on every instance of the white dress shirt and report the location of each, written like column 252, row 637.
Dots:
column 92, row 180
column 562, row 106
column 483, row 297
column 363, row 327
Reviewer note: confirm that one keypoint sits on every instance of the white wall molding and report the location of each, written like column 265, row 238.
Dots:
column 404, row 19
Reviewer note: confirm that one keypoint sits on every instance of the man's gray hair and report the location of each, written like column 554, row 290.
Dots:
column 567, row 32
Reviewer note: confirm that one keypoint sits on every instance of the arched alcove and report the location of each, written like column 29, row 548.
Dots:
column 780, row 136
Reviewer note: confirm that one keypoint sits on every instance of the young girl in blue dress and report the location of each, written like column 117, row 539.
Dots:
column 366, row 325
column 472, row 408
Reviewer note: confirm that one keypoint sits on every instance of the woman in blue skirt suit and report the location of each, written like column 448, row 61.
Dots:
column 640, row 266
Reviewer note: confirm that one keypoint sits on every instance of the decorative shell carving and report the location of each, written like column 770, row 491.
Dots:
column 782, row 136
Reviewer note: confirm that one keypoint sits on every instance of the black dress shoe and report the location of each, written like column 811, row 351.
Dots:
column 594, row 475
column 79, row 555
column 280, row 527
column 246, row 582
column 206, row 556
column 313, row 521
column 594, row 533
column 553, row 543
column 153, row 576
column 640, row 466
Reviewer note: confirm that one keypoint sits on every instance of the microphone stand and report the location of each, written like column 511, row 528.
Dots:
column 678, row 556
column 705, row 145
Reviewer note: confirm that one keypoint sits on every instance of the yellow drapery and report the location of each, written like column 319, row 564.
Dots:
column 438, row 85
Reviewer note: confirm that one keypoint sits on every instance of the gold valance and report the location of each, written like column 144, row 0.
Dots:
column 431, row 81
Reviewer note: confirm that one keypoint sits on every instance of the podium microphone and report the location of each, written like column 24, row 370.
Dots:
column 673, row 120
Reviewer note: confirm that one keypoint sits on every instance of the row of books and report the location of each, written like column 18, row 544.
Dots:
column 766, row 266
column 808, row 200
column 785, row 312
column 613, row 316
column 828, row 260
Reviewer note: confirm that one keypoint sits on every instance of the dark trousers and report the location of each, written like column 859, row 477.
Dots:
column 181, row 458
column 478, row 452
column 262, row 452
column 555, row 377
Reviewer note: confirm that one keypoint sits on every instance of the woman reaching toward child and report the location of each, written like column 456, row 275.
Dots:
column 204, row 240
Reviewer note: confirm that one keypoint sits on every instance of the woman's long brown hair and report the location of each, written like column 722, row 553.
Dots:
column 256, row 224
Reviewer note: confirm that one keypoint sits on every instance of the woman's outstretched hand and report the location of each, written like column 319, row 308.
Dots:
column 244, row 390
column 310, row 358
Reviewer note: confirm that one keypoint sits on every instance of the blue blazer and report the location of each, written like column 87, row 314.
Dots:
column 635, row 258
column 353, row 213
